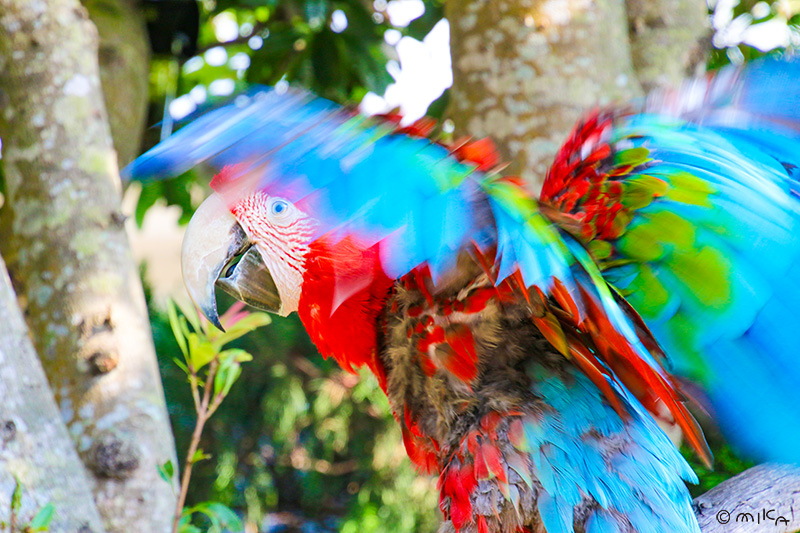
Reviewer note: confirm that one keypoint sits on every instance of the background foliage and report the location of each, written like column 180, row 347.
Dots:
column 300, row 445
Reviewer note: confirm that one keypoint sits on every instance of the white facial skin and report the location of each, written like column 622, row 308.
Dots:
column 282, row 233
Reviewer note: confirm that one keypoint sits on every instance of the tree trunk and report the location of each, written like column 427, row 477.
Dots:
column 70, row 261
column 670, row 40
column 525, row 70
column 124, row 55
column 35, row 448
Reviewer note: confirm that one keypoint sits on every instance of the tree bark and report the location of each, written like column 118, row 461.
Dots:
column 70, row 261
column 124, row 55
column 525, row 70
column 755, row 501
column 35, row 448
column 670, row 40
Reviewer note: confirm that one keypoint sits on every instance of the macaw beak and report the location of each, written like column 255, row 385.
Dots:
column 217, row 253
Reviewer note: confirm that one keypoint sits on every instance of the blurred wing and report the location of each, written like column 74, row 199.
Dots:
column 423, row 203
column 691, row 209
column 353, row 174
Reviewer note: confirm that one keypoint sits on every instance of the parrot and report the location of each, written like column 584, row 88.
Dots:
column 529, row 345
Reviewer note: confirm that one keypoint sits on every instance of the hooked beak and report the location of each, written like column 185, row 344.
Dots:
column 217, row 253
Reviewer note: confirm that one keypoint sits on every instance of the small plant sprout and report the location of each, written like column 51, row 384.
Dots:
column 211, row 371
column 40, row 523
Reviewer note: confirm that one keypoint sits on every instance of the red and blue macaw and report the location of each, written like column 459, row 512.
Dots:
column 527, row 345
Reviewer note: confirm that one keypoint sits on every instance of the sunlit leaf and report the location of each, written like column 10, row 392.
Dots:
column 240, row 328
column 41, row 522
column 200, row 455
column 176, row 328
column 201, row 352
column 190, row 313
column 226, row 377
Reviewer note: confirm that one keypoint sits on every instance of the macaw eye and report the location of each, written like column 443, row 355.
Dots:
column 279, row 207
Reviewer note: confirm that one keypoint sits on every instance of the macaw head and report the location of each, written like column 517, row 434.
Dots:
column 270, row 253
column 255, row 250
column 320, row 212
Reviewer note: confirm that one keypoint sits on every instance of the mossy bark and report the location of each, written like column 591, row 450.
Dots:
column 70, row 262
column 525, row 70
column 35, row 448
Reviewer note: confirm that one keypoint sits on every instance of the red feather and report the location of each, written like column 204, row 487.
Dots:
column 347, row 332
column 463, row 360
column 457, row 483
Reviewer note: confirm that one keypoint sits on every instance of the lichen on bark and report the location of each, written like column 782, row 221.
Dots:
column 524, row 71
column 70, row 261
column 669, row 40
column 35, row 448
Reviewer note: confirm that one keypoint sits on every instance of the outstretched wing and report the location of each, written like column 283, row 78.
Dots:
column 691, row 209
column 422, row 203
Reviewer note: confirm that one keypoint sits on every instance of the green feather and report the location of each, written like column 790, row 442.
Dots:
column 600, row 249
column 687, row 188
column 639, row 191
column 631, row 157
column 707, row 274
column 647, row 294
column 647, row 240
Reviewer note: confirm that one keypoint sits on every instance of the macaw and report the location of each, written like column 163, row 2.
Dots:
column 528, row 346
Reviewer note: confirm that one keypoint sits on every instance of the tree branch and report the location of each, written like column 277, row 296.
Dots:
column 35, row 448
column 756, row 501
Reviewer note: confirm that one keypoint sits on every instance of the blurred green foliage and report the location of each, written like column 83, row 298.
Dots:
column 275, row 41
column 299, row 444
column 749, row 13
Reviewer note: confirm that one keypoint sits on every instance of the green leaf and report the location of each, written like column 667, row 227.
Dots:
column 220, row 515
column 180, row 364
column 43, row 518
column 420, row 27
column 190, row 313
column 226, row 377
column 244, row 326
column 150, row 194
column 251, row 321
column 200, row 455
column 166, row 471
column 16, row 496
column 174, row 323
column 201, row 352
column 176, row 191
column 237, row 355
